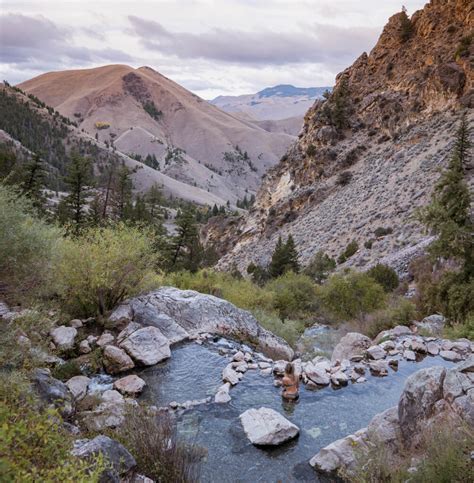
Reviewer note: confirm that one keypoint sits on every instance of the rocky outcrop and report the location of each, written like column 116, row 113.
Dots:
column 116, row 456
column 183, row 314
column 430, row 396
column 53, row 392
column 266, row 427
column 351, row 345
column 387, row 126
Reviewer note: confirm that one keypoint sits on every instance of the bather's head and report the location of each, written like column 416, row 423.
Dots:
column 289, row 369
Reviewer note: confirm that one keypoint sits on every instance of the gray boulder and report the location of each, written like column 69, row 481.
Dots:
column 148, row 346
column 317, row 374
column 64, row 337
column 78, row 386
column 433, row 324
column 116, row 360
column 351, row 345
column 181, row 314
column 131, row 385
column 110, row 413
column 376, row 352
column 119, row 458
column 53, row 392
column 266, row 427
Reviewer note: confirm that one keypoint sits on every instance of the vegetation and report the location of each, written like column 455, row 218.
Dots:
column 320, row 266
column 449, row 286
column 385, row 276
column 406, row 27
column 350, row 250
column 284, row 258
column 152, row 110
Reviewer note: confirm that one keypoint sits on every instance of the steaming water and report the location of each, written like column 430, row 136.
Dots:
column 194, row 372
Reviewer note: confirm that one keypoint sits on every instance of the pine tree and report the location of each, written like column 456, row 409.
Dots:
column 448, row 214
column 278, row 261
column 291, row 256
column 406, row 27
column 123, row 193
column 78, row 181
column 340, row 105
column 33, row 174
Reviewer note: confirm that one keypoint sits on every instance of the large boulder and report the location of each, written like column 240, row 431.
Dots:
column 317, row 374
column 78, row 386
column 433, row 324
column 119, row 459
column 131, row 385
column 148, row 346
column 351, row 345
column 418, row 400
column 116, row 360
column 110, row 413
column 181, row 314
column 64, row 337
column 53, row 392
column 266, row 427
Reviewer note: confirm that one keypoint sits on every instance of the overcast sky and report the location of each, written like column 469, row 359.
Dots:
column 211, row 47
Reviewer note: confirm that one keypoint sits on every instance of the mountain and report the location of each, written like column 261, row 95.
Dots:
column 273, row 103
column 27, row 125
column 143, row 113
column 369, row 155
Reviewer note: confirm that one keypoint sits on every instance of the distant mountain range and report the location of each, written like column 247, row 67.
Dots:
column 273, row 103
column 141, row 113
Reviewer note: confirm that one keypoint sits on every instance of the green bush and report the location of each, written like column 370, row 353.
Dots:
column 290, row 329
column 293, row 295
column 350, row 250
column 104, row 266
column 351, row 295
column 33, row 444
column 381, row 231
column 320, row 266
column 385, row 276
column 67, row 370
column 27, row 246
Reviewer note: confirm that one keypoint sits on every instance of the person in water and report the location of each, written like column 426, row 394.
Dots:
column 290, row 383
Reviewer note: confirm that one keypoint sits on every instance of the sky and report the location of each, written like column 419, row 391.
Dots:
column 211, row 47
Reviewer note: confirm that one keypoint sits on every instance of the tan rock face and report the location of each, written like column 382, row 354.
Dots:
column 399, row 108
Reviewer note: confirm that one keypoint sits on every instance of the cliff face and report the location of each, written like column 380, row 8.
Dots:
column 387, row 127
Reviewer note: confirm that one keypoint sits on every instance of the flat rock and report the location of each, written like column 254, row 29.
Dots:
column 376, row 352
column 267, row 427
column 379, row 368
column 131, row 385
column 229, row 375
column 105, row 339
column 317, row 374
column 78, row 386
column 450, row 356
column 409, row 355
column 432, row 348
column 148, row 346
column 116, row 360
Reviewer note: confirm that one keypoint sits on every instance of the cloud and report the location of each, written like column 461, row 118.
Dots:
column 39, row 41
column 317, row 43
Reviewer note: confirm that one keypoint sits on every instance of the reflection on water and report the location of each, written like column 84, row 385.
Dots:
column 323, row 416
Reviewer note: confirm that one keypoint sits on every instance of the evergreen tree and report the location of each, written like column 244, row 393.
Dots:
column 215, row 210
column 448, row 214
column 291, row 255
column 284, row 258
column 123, row 193
column 340, row 105
column 33, row 174
column 406, row 27
column 78, row 181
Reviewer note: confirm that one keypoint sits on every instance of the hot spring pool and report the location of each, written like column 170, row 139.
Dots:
column 194, row 372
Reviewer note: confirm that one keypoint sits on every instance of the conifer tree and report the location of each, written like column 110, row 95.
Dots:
column 291, row 255
column 123, row 193
column 406, row 27
column 33, row 181
column 277, row 263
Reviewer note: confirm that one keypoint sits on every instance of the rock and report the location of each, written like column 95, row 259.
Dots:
column 240, row 366
column 450, row 356
column 317, row 375
column 248, row 357
column 360, row 369
column 110, row 413
column 131, row 385
column 222, row 397
column 279, row 368
column 432, row 348
column 352, row 344
column 339, row 379
column 84, row 347
column 379, row 368
column 116, row 360
column 238, row 356
column 397, row 331
column 76, row 323
column 266, row 427
column 455, row 384
column 148, row 346
column 229, row 375
column 388, row 345
column 385, row 428
column 417, row 345
column 266, row 372
column 105, row 339
column 409, row 355
column 64, row 337
column 53, row 392
column 264, row 365
column 118, row 457
column 393, row 363
column 464, row 406
column 173, row 312
column 339, row 454
column 78, row 386
column 422, row 391
column 376, row 352
column 92, row 339
column 433, row 324
column 467, row 365
column 463, row 346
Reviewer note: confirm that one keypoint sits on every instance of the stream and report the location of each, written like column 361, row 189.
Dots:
column 324, row 415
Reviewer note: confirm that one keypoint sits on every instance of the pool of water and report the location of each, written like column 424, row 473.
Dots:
column 324, row 415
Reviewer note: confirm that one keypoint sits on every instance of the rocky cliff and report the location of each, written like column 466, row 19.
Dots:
column 369, row 154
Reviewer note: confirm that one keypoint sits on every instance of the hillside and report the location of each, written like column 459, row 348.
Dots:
column 29, row 124
column 144, row 113
column 273, row 103
column 369, row 155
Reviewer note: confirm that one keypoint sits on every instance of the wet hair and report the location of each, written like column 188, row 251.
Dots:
column 289, row 369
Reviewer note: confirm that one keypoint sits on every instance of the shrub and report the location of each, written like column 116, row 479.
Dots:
column 350, row 250
column 33, row 444
column 290, row 329
column 344, row 178
column 293, row 295
column 67, row 370
column 311, row 150
column 320, row 266
column 104, row 266
column 464, row 46
column 27, row 246
column 351, row 295
column 152, row 439
column 385, row 276
column 102, row 125
column 381, row 231
column 368, row 244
